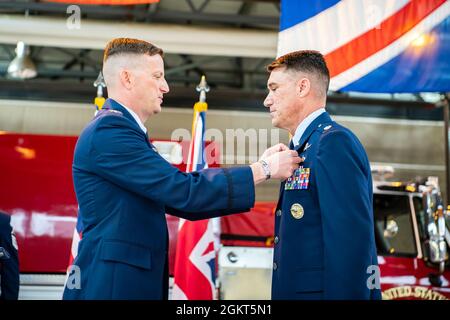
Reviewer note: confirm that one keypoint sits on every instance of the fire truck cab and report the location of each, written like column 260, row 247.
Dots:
column 413, row 239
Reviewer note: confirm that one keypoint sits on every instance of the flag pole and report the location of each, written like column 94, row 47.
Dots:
column 195, row 257
column 445, row 105
column 100, row 85
column 203, row 88
column 200, row 106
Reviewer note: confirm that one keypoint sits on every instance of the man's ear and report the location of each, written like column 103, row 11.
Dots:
column 303, row 87
column 126, row 79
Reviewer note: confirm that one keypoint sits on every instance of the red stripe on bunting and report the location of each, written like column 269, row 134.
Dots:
column 376, row 39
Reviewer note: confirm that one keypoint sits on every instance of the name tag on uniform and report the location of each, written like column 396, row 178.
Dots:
column 299, row 180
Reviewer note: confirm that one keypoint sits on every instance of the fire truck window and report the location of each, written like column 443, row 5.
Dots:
column 394, row 232
column 418, row 205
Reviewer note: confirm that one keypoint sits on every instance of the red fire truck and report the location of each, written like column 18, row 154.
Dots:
column 36, row 190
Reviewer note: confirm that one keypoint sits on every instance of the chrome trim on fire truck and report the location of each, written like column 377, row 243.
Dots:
column 41, row 286
column 415, row 227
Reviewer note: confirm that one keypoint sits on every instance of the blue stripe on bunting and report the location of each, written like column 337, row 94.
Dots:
column 296, row 11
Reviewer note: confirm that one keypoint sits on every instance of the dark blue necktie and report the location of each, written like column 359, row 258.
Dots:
column 291, row 145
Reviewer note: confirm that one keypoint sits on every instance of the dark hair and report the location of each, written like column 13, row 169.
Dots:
column 308, row 61
column 128, row 45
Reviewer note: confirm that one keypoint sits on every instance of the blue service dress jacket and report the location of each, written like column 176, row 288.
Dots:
column 324, row 230
column 9, row 260
column 124, row 188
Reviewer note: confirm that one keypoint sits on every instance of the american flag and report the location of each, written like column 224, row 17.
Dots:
column 194, row 271
column 373, row 45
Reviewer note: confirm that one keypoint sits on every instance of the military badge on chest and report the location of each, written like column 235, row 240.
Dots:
column 299, row 180
column 297, row 211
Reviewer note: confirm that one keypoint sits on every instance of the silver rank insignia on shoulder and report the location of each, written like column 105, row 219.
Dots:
column 297, row 211
column 299, row 179
column 327, row 128
column 105, row 112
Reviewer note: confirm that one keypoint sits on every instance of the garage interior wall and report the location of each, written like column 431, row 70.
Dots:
column 418, row 146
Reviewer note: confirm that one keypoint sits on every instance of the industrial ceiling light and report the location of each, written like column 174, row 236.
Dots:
column 22, row 67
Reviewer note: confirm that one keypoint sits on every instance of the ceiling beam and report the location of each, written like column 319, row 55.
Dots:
column 125, row 12
column 53, row 32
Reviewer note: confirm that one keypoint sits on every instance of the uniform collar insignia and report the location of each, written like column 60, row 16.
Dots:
column 307, row 146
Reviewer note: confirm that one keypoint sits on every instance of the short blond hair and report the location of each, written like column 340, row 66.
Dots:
column 128, row 45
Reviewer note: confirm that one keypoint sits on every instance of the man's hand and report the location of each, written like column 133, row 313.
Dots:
column 274, row 149
column 282, row 163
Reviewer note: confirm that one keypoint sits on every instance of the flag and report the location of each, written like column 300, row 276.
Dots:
column 194, row 270
column 383, row 46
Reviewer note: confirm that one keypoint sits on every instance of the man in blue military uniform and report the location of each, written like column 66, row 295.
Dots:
column 324, row 244
column 124, row 187
column 9, row 260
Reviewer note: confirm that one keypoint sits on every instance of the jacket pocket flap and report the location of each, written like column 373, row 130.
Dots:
column 309, row 281
column 114, row 250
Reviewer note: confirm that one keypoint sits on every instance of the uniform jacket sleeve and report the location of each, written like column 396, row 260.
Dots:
column 121, row 154
column 203, row 215
column 343, row 177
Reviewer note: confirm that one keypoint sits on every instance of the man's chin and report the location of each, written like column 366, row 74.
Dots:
column 275, row 123
column 157, row 110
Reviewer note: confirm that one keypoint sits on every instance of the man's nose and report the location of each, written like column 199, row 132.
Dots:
column 268, row 101
column 165, row 87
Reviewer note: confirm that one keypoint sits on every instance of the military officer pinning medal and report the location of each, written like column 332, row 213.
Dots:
column 124, row 187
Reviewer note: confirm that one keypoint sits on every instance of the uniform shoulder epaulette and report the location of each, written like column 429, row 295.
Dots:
column 116, row 112
column 108, row 112
column 324, row 127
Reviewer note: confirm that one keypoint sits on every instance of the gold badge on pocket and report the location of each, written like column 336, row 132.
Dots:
column 297, row 211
